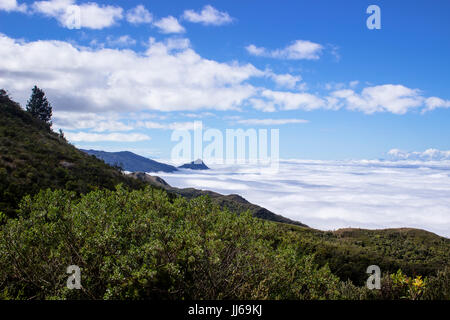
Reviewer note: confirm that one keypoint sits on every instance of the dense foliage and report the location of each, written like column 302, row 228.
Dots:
column 144, row 245
column 139, row 245
column 348, row 251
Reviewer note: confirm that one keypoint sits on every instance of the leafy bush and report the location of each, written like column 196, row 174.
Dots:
column 140, row 245
column 438, row 286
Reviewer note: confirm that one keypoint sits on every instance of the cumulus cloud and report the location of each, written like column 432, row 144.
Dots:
column 111, row 122
column 139, row 15
column 12, row 5
column 427, row 155
column 396, row 99
column 169, row 76
column 269, row 122
column 87, row 15
column 298, row 50
column 169, row 24
column 285, row 80
column 208, row 16
column 292, row 101
column 121, row 41
column 166, row 126
column 435, row 102
column 338, row 194
column 263, row 105
column 89, row 121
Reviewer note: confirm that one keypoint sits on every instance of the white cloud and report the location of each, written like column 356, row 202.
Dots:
column 166, row 126
column 256, row 51
column 353, row 84
column 435, row 102
column 138, row 15
column 208, row 16
column 284, row 80
column 292, row 101
column 113, row 137
column 339, row 194
column 111, row 122
column 169, row 24
column 396, row 99
column 91, row 15
column 12, row 5
column 298, row 50
column 263, row 105
column 89, row 121
column 269, row 122
column 198, row 115
column 122, row 41
column 169, row 76
column 427, row 155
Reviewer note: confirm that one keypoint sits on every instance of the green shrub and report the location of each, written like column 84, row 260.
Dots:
column 140, row 245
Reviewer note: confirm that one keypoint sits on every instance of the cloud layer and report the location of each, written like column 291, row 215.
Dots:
column 427, row 155
column 336, row 194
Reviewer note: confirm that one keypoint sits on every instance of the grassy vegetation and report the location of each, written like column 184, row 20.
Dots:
column 349, row 252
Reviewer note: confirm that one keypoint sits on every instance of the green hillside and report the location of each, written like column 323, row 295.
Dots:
column 349, row 251
column 32, row 157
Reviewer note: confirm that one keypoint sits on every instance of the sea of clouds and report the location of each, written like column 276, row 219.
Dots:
column 329, row 195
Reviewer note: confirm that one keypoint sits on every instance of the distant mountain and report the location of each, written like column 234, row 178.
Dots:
column 233, row 202
column 195, row 165
column 130, row 161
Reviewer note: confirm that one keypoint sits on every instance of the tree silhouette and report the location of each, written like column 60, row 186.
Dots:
column 39, row 107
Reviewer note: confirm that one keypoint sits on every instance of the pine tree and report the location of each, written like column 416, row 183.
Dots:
column 39, row 107
column 4, row 95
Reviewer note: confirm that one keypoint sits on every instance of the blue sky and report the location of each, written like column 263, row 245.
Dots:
column 136, row 70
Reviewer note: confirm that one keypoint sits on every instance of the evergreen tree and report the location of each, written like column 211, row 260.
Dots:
column 39, row 107
column 4, row 95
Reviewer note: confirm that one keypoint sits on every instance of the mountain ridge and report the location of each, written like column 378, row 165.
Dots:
column 130, row 161
column 233, row 202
